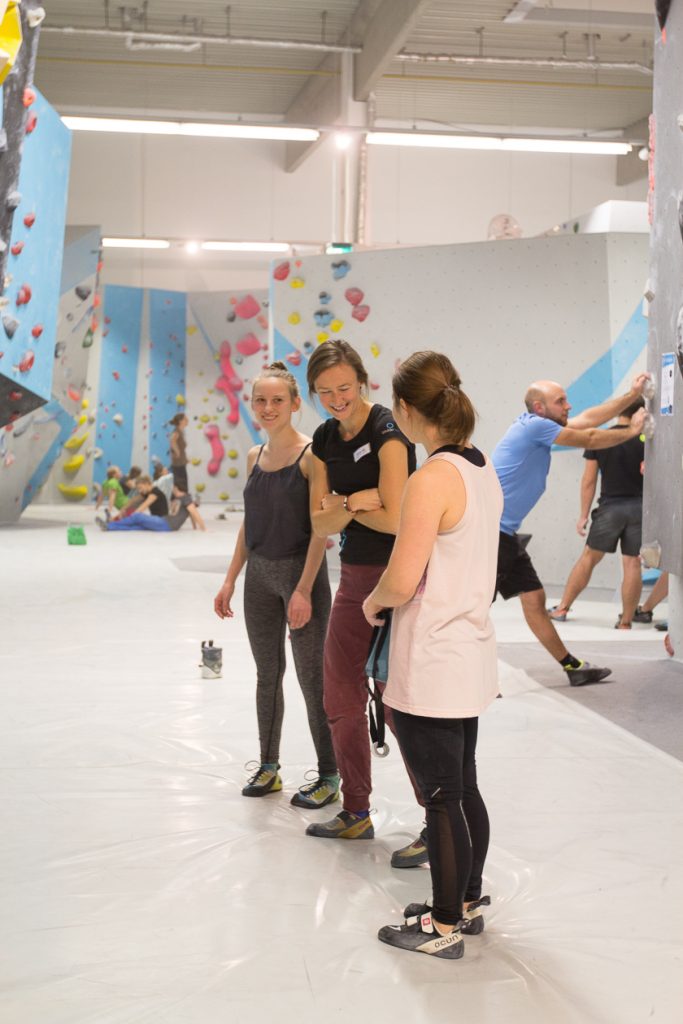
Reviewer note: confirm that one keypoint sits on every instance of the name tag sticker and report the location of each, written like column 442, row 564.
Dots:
column 364, row 449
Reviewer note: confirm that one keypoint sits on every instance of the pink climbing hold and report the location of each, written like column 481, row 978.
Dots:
column 29, row 220
column 29, row 96
column 360, row 313
column 229, row 383
column 37, row 331
column 24, row 295
column 248, row 345
column 212, row 435
column 31, row 123
column 374, row 386
column 116, row 375
column 294, row 358
column 17, row 248
column 247, row 307
column 281, row 272
column 124, row 349
column 354, row 296
column 27, row 362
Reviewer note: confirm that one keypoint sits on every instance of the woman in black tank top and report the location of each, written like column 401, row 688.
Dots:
column 286, row 585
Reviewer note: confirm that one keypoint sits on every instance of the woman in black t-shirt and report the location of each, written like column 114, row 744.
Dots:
column 361, row 462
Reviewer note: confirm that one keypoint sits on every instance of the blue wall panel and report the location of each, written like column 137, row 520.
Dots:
column 167, row 332
column 118, row 377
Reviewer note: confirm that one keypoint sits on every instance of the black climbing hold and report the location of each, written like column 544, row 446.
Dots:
column 82, row 291
column 230, row 318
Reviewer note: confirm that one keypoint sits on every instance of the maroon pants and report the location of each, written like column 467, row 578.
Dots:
column 345, row 691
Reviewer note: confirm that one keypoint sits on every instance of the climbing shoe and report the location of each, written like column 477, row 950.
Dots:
column 558, row 614
column 322, row 791
column 586, row 674
column 412, row 855
column 345, row 826
column 418, row 935
column 264, row 780
column 640, row 616
column 472, row 919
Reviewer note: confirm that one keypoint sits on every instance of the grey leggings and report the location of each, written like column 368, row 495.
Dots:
column 268, row 586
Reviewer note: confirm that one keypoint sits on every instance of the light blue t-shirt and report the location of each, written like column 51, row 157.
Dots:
column 522, row 461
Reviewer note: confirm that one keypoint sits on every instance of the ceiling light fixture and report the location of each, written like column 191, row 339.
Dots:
column 342, row 140
column 488, row 142
column 209, row 130
column 136, row 243
column 246, row 246
column 192, row 248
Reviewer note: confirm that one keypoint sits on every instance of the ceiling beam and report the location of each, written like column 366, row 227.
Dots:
column 384, row 37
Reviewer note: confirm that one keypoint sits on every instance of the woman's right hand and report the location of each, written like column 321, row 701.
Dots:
column 221, row 603
column 365, row 501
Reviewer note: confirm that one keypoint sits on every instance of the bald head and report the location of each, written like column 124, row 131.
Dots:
column 548, row 399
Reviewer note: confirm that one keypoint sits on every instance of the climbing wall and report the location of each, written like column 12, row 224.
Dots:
column 227, row 344
column 507, row 313
column 664, row 472
column 53, row 447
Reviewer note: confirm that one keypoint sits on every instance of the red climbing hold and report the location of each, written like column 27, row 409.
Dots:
column 16, row 396
column 29, row 220
column 116, row 375
column 247, row 307
column 29, row 96
column 24, row 295
column 248, row 345
column 353, row 295
column 281, row 272
column 97, row 300
column 37, row 331
column 360, row 313
column 27, row 362
column 124, row 349
column 73, row 394
column 31, row 123
column 16, row 248
column 294, row 358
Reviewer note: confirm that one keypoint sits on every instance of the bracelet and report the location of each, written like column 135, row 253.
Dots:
column 346, row 506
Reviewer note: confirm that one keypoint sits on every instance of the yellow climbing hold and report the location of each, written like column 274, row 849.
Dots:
column 336, row 326
column 82, row 420
column 180, row 399
column 74, row 464
column 196, row 462
column 323, row 336
column 294, row 318
column 204, row 418
column 205, row 399
column 200, row 487
column 74, row 443
column 10, row 37
column 191, row 329
column 297, row 282
column 85, row 403
column 224, row 496
column 232, row 472
column 232, row 454
column 375, row 350
column 73, row 493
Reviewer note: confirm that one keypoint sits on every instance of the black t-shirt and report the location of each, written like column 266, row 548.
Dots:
column 354, row 466
column 620, row 469
column 472, row 454
column 159, row 506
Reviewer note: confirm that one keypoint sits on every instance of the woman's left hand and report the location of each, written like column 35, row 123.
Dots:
column 299, row 610
column 371, row 611
column 332, row 501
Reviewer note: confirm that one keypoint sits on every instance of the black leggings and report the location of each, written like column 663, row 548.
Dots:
column 440, row 754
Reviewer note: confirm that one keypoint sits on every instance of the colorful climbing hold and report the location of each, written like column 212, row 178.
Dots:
column 73, row 464
column 224, row 496
column 29, row 220
column 73, row 492
column 31, row 123
column 248, row 345
column 294, row 358
column 281, row 271
column 232, row 472
column 17, row 248
column 196, row 462
column 340, row 269
column 74, row 443
column 27, row 361
column 233, row 454
column 180, row 399
column 354, row 296
column 37, row 331
column 374, row 348
column 297, row 282
column 322, row 317
column 360, row 313
column 294, row 318
column 212, row 435
column 336, row 326
column 200, row 488
column 29, row 96
column 73, row 394
column 117, row 418
column 324, row 298
column 322, row 336
column 247, row 307
column 24, row 295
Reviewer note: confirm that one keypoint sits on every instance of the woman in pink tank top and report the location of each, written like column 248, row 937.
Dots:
column 442, row 664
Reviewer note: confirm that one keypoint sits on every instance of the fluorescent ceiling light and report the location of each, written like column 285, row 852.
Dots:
column 246, row 246
column 279, row 133
column 136, row 243
column 444, row 141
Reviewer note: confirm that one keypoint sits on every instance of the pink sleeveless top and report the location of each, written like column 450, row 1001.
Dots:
column 442, row 655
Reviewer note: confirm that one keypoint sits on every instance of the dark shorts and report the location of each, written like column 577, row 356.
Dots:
column 619, row 521
column 516, row 574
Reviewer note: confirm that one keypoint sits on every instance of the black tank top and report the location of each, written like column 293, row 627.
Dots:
column 277, row 520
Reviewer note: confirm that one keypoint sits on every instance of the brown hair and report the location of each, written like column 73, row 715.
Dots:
column 280, row 372
column 134, row 472
column 334, row 353
column 144, row 479
column 176, row 420
column 429, row 382
column 159, row 470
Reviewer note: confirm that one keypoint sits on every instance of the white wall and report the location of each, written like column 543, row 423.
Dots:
column 205, row 188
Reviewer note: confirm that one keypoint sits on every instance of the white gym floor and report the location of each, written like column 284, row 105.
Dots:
column 138, row 885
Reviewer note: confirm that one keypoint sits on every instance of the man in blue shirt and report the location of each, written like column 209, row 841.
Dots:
column 522, row 461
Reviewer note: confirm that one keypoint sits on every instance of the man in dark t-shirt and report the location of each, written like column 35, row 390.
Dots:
column 617, row 519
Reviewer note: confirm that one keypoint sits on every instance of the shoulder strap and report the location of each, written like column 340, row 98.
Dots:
column 303, row 452
column 260, row 452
